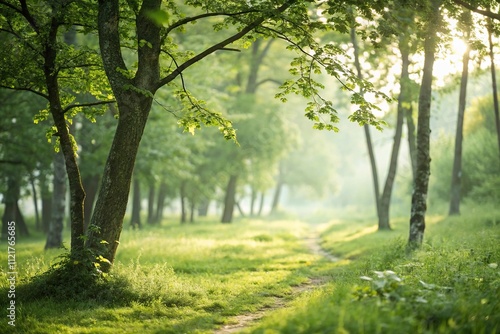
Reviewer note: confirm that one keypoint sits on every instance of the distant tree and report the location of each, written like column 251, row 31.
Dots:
column 421, row 182
column 456, row 176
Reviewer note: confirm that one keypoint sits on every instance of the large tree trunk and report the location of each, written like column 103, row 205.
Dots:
column 135, row 220
column 494, row 83
column 369, row 144
column 403, row 100
column 107, row 221
column 456, row 176
column 421, row 184
column 91, row 185
column 54, row 237
column 229, row 200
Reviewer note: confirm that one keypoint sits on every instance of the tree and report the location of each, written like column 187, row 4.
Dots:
column 456, row 176
column 421, row 182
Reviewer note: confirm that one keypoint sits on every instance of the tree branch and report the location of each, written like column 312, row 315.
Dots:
column 486, row 13
column 45, row 96
column 201, row 16
column 220, row 45
column 269, row 80
column 72, row 106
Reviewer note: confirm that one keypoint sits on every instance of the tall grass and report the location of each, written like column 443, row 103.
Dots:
column 450, row 285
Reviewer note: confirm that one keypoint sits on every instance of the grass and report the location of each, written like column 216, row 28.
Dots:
column 195, row 278
column 171, row 279
column 450, row 285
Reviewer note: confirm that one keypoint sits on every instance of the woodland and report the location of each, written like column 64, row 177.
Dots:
column 277, row 166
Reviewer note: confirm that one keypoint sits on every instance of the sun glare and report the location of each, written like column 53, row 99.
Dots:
column 458, row 46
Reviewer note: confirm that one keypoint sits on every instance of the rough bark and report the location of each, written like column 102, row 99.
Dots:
column 421, row 184
column 403, row 101
column 54, row 236
column 135, row 220
column 456, row 176
column 229, row 200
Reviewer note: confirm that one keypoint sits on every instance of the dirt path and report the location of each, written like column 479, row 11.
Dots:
column 245, row 320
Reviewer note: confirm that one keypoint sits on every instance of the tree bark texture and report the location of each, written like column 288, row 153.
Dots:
column 412, row 147
column 456, row 176
column 229, row 200
column 421, row 184
column 54, row 237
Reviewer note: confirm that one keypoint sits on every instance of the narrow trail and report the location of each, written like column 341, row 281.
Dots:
column 312, row 240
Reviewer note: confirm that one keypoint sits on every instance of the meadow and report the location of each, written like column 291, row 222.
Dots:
column 206, row 277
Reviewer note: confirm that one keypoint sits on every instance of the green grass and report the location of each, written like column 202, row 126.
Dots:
column 450, row 285
column 195, row 278
column 171, row 279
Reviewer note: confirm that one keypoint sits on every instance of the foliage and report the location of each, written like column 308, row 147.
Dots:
column 451, row 285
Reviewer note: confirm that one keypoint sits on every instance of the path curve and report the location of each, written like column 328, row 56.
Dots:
column 245, row 320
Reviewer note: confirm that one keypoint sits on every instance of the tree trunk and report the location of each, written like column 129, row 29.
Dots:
column 46, row 203
column 91, row 185
column 421, row 184
column 151, row 203
column 203, row 208
column 366, row 128
column 411, row 140
column 229, row 200
column 403, row 100
column 456, row 177
column 277, row 196
column 135, row 221
column 35, row 203
column 11, row 211
column 77, row 194
column 54, row 237
column 192, row 207
column 494, row 83
column 183, row 202
column 253, row 198
column 107, row 220
column 160, row 204
column 261, row 204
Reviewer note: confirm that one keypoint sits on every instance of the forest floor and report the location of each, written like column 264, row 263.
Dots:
column 239, row 322
column 277, row 276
